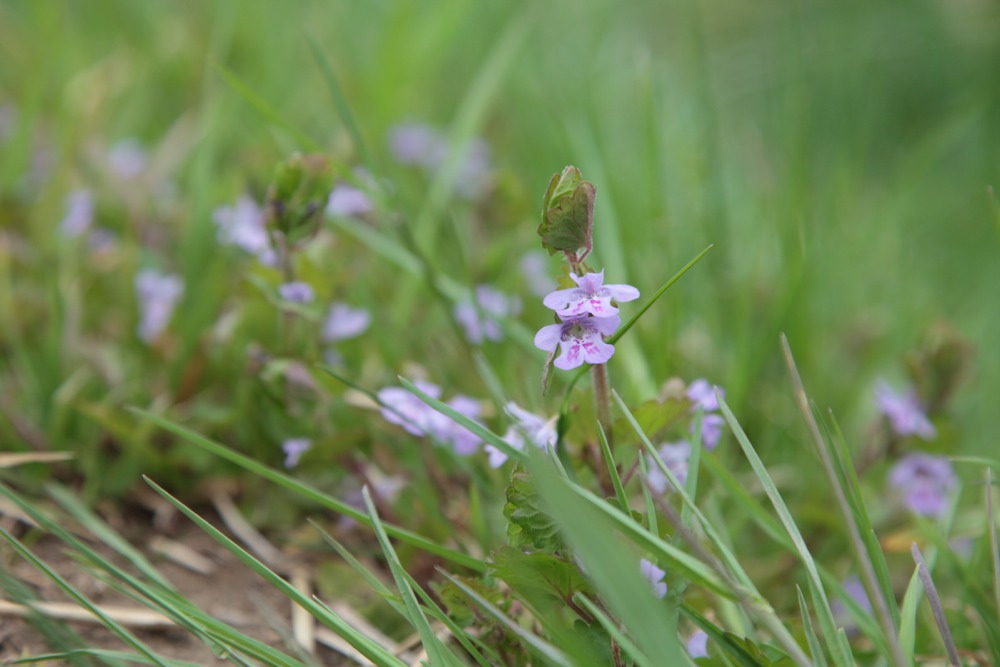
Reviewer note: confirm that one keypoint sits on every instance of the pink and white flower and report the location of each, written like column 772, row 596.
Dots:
column 579, row 340
column 590, row 295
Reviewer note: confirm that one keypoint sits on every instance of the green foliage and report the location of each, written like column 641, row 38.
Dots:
column 568, row 215
column 529, row 526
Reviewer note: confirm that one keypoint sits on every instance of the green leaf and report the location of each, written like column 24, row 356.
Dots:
column 541, row 579
column 568, row 225
column 653, row 416
column 310, row 493
column 528, row 525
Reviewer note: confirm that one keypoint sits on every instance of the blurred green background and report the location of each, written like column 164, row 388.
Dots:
column 836, row 153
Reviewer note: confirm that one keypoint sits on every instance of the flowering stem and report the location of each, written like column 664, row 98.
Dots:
column 602, row 399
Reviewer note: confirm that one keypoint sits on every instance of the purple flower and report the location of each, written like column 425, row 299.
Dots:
column 533, row 267
column 347, row 202
column 579, row 340
column 702, row 394
column 417, row 144
column 905, row 414
column 242, row 225
column 924, row 480
column 654, row 576
column 474, row 169
column 855, row 591
column 697, row 645
column 463, row 441
column 590, row 295
column 481, row 320
column 527, row 428
column 79, row 214
column 294, row 449
column 157, row 295
column 345, row 322
column 675, row 456
column 404, row 409
column 127, row 158
column 711, row 430
column 296, row 292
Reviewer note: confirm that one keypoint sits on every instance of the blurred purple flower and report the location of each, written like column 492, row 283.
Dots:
column 297, row 292
column 79, row 214
column 402, row 408
column 347, row 202
column 534, row 266
column 416, row 417
column 590, row 295
column 294, row 449
column 481, row 319
column 474, row 169
column 697, row 645
column 417, row 144
column 856, row 591
column 675, row 456
column 463, row 441
column 127, row 158
column 157, row 294
column 527, row 428
column 702, row 394
column 925, row 481
column 579, row 340
column 344, row 321
column 242, row 225
column 654, row 576
column 424, row 146
column 905, row 414
column 712, row 426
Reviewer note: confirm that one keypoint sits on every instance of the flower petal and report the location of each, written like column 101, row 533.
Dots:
column 548, row 337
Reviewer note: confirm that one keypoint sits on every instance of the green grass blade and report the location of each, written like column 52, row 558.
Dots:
column 486, row 435
column 994, row 548
column 213, row 632
column 309, row 492
column 936, row 608
column 437, row 652
column 728, row 557
column 652, row 622
column 908, row 616
column 609, row 461
column 614, row 631
column 827, row 623
column 864, row 562
column 264, row 109
column 469, row 115
column 815, row 648
column 872, row 548
column 663, row 288
column 93, row 524
column 363, row 644
column 535, row 643
column 104, row 654
column 340, row 102
column 79, row 598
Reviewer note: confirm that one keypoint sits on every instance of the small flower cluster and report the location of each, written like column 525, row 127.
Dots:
column 404, row 409
column 423, row 146
column 703, row 396
column 675, row 455
column 242, row 225
column 157, row 295
column 586, row 315
column 481, row 318
column 905, row 413
column 924, row 481
column 416, row 417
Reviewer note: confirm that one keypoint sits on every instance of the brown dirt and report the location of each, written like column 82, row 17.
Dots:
column 232, row 593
